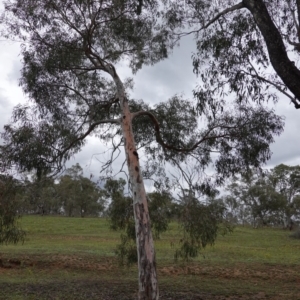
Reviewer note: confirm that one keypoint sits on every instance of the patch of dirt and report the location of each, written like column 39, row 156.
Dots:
column 102, row 279
column 244, row 272
column 10, row 263
column 54, row 262
column 109, row 290
column 76, row 289
column 91, row 289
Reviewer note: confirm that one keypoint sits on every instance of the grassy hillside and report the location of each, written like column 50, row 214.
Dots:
column 73, row 258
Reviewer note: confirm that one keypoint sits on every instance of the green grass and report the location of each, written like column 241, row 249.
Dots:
column 63, row 256
column 245, row 244
column 65, row 235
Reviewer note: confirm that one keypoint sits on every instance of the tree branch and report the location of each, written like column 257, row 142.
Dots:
column 218, row 16
column 280, row 61
column 294, row 17
column 83, row 136
column 170, row 147
column 273, row 84
column 296, row 45
column 224, row 12
column 283, row 66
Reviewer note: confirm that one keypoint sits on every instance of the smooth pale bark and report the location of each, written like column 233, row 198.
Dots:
column 148, row 286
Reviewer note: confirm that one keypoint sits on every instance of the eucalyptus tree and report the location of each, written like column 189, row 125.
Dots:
column 244, row 47
column 70, row 56
column 69, row 189
column 266, row 204
column 271, row 196
column 200, row 223
column 10, row 231
column 286, row 181
column 121, row 216
column 79, row 195
column 39, row 195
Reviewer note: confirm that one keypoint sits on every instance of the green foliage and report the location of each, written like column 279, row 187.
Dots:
column 286, row 181
column 79, row 195
column 39, row 195
column 72, row 195
column 160, row 205
column 236, row 44
column 60, row 76
column 269, row 197
column 10, row 231
column 200, row 224
column 121, row 217
column 120, row 210
column 126, row 251
column 64, row 73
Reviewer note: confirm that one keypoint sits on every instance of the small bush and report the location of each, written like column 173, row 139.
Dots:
column 10, row 232
column 296, row 234
column 126, row 251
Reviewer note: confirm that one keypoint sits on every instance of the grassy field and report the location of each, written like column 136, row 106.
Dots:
column 73, row 258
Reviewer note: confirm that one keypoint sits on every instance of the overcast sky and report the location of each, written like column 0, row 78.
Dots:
column 152, row 84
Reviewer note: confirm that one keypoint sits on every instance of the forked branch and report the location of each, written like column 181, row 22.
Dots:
column 207, row 135
column 223, row 13
column 84, row 135
column 217, row 17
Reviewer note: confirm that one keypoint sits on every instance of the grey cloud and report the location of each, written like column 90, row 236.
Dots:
column 286, row 148
column 15, row 72
column 4, row 102
column 5, row 109
column 172, row 76
column 93, row 155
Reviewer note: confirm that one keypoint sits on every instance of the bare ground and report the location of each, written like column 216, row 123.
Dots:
column 79, row 277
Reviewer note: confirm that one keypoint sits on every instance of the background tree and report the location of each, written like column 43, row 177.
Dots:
column 271, row 196
column 252, row 191
column 235, row 210
column 160, row 207
column 67, row 194
column 266, row 204
column 10, row 231
column 92, row 201
column 121, row 216
column 200, row 223
column 70, row 53
column 286, row 181
column 79, row 195
column 39, row 195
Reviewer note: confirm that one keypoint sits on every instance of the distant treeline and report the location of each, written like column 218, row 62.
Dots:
column 265, row 197
column 256, row 197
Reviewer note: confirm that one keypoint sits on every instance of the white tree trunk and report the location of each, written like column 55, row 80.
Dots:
column 148, row 286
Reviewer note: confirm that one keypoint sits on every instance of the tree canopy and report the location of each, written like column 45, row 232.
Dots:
column 10, row 231
column 265, row 197
column 245, row 48
column 70, row 194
